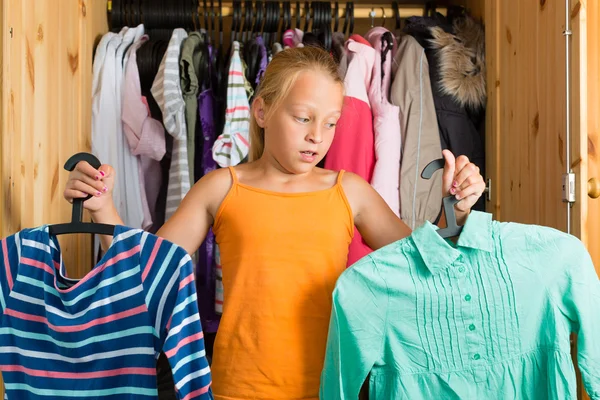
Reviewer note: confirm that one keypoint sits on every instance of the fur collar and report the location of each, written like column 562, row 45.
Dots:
column 462, row 61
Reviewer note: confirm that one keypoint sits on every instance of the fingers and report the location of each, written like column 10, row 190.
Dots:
column 85, row 168
column 472, row 186
column 449, row 170
column 467, row 203
column 464, row 170
column 98, row 186
column 82, row 188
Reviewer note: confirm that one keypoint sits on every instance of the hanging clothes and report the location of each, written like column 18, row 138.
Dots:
column 455, row 51
column 293, row 38
column 353, row 146
column 105, row 141
column 145, row 135
column 206, row 268
column 192, row 52
column 420, row 199
column 233, row 145
column 98, row 336
column 339, row 52
column 129, row 178
column 488, row 318
column 386, row 125
column 166, row 90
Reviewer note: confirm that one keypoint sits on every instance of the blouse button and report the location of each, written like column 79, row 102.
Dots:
column 468, row 297
column 476, row 356
column 471, row 327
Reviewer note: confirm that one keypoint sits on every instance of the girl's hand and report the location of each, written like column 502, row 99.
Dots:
column 462, row 179
column 85, row 180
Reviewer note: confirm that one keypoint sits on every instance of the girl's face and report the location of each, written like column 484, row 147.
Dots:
column 299, row 133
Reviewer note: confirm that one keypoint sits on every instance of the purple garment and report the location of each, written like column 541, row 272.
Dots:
column 205, row 268
column 264, row 59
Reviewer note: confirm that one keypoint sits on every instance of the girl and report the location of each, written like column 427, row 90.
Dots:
column 283, row 227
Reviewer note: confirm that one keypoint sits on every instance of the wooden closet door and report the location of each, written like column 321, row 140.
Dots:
column 526, row 119
column 525, row 135
column 47, row 48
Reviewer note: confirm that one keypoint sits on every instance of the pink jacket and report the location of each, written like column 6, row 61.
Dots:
column 353, row 147
column 386, row 174
column 145, row 135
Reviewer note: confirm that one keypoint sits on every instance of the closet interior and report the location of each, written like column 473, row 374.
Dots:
column 539, row 117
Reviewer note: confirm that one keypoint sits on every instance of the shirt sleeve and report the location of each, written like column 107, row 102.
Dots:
column 578, row 298
column 356, row 331
column 9, row 249
column 168, row 278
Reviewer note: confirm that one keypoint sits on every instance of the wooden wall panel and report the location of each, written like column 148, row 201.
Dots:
column 527, row 113
column 592, row 221
column 46, row 112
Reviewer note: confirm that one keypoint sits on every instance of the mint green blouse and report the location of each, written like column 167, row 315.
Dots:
column 487, row 318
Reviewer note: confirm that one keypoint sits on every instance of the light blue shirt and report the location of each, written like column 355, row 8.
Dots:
column 487, row 318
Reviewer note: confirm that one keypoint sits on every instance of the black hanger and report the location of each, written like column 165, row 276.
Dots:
column 287, row 18
column 297, row 15
column 452, row 229
column 315, row 17
column 268, row 26
column 212, row 23
column 396, row 15
column 351, row 28
column 220, row 24
column 258, row 22
column 337, row 17
column 346, row 19
column 306, row 16
column 328, row 34
column 236, row 20
column 248, row 11
column 430, row 9
column 76, row 225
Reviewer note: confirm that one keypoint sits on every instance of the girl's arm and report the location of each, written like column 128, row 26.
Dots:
column 377, row 223
column 187, row 227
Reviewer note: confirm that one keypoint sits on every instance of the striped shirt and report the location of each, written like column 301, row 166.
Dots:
column 99, row 337
column 233, row 145
column 166, row 90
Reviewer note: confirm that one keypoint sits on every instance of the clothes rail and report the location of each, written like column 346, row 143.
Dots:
column 360, row 10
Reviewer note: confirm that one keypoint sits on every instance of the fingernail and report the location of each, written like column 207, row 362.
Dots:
column 455, row 183
column 97, row 177
column 98, row 194
column 102, row 173
column 452, row 190
column 457, row 197
column 105, row 189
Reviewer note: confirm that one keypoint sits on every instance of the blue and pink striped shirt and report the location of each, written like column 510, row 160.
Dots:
column 99, row 337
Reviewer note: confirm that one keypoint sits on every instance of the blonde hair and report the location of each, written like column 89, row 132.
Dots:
column 279, row 77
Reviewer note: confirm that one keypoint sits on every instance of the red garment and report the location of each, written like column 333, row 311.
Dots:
column 353, row 147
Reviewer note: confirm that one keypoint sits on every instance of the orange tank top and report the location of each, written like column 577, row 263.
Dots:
column 281, row 255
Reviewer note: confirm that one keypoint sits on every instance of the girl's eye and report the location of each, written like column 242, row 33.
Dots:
column 331, row 126
column 302, row 120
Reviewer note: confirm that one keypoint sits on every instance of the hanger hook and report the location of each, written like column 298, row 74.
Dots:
column 372, row 15
column 384, row 16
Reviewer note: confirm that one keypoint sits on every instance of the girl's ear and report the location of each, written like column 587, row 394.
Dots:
column 258, row 109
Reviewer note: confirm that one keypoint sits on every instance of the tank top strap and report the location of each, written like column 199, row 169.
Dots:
column 340, row 176
column 233, row 175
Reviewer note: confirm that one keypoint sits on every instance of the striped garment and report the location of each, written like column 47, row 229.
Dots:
column 99, row 337
column 233, row 145
column 166, row 90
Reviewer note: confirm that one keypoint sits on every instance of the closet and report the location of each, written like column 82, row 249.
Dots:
column 47, row 53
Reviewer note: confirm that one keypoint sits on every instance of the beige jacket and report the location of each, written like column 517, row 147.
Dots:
column 420, row 199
